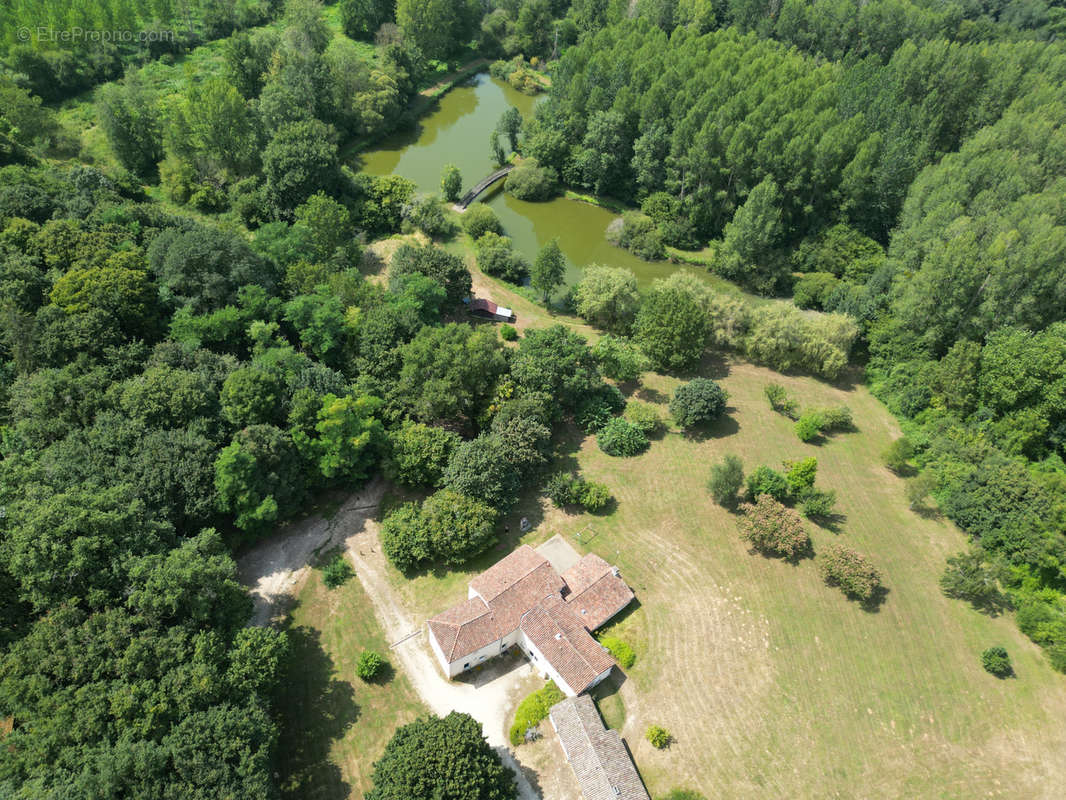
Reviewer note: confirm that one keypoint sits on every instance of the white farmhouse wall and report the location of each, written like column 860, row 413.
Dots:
column 540, row 663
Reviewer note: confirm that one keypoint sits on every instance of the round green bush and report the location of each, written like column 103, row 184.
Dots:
column 698, row 402
column 809, row 427
column 508, row 333
column 658, row 736
column 996, row 661
column 621, row 438
column 369, row 665
column 479, row 219
column 594, row 496
column 337, row 572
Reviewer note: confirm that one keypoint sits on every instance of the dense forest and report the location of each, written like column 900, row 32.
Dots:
column 189, row 352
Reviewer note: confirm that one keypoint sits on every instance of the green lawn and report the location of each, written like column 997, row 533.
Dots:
column 772, row 683
column 335, row 726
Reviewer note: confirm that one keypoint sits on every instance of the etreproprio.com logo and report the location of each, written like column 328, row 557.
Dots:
column 76, row 35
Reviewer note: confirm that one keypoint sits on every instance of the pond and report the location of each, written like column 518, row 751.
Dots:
column 456, row 132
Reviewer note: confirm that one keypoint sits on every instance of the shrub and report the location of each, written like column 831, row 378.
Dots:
column 645, row 416
column 836, row 419
column 698, row 402
column 497, row 256
column 459, row 527
column 772, row 528
column 566, row 488
column 638, row 234
column 898, row 454
column 819, row 505
column 785, row 338
column 369, row 665
column 800, row 476
column 620, row 651
column 780, row 401
column 619, row 359
column 428, row 216
column 996, row 661
column 727, row 477
column 849, row 570
column 598, row 407
column 814, row 289
column 532, row 710
column 809, row 426
column 658, row 736
column 418, row 453
column 508, row 333
column 530, row 181
column 337, row 571
column 765, row 480
column 919, row 488
column 594, row 496
column 562, row 488
column 621, row 438
column 405, row 537
column 683, row 794
column 451, row 183
column 479, row 219
column 607, row 298
column 671, row 327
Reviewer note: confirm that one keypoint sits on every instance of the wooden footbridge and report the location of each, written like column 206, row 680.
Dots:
column 483, row 184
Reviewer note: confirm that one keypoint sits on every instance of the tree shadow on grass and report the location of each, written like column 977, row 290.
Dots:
column 873, row 603
column 725, row 425
column 649, row 395
column 793, row 560
column 831, row 522
column 316, row 710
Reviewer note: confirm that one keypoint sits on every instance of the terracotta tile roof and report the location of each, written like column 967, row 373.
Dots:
column 596, row 592
column 506, row 572
column 598, row 756
column 559, row 635
column 464, row 629
column 514, row 585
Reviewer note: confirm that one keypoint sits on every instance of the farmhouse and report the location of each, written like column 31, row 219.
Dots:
column 522, row 600
column 598, row 756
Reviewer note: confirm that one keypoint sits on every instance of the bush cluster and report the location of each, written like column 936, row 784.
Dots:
column 479, row 219
column 567, row 488
column 448, row 526
column 530, row 181
column 781, row 401
column 532, row 710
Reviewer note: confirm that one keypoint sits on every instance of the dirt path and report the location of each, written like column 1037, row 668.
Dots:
column 275, row 570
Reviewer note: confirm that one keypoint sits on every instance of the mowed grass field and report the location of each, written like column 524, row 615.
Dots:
column 334, row 725
column 773, row 684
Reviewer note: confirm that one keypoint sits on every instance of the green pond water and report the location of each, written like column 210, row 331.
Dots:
column 457, row 132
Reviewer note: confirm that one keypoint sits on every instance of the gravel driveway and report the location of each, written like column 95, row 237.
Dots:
column 275, row 569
